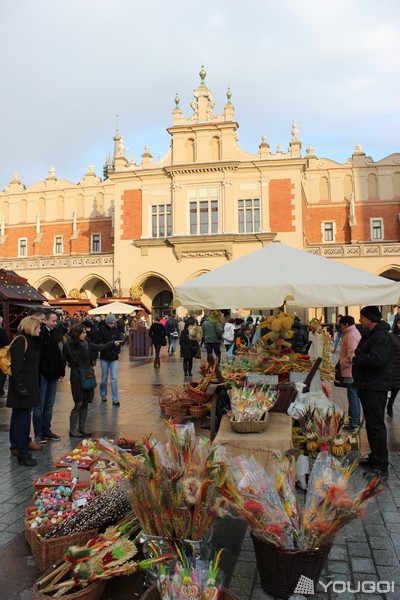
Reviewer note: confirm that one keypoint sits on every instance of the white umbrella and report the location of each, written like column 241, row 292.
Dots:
column 115, row 308
column 279, row 272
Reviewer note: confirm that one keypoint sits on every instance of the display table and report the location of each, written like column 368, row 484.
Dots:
column 276, row 438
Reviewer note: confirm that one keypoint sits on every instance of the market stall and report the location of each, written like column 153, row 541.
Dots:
column 16, row 297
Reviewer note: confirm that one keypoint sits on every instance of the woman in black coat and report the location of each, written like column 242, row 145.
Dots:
column 396, row 365
column 23, row 388
column 158, row 334
column 78, row 352
column 188, row 347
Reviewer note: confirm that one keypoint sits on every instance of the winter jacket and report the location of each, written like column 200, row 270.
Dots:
column 109, row 334
column 23, row 388
column 372, row 366
column 52, row 366
column 350, row 341
column 396, row 361
column 212, row 331
column 80, row 355
column 187, row 344
column 300, row 336
column 229, row 333
column 4, row 341
column 157, row 333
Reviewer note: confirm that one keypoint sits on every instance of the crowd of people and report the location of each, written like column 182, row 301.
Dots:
column 45, row 344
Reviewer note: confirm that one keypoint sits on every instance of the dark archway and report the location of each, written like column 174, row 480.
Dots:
column 162, row 304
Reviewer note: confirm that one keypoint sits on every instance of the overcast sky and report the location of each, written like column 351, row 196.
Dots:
column 69, row 66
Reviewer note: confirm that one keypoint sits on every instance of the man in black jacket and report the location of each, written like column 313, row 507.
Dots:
column 109, row 358
column 52, row 370
column 372, row 369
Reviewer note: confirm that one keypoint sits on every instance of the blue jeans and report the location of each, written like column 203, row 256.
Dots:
column 43, row 414
column 354, row 405
column 216, row 346
column 111, row 365
column 173, row 344
column 20, row 425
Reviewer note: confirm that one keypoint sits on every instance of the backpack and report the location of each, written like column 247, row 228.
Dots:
column 5, row 356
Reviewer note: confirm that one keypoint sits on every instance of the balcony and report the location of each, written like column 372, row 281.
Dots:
column 57, row 262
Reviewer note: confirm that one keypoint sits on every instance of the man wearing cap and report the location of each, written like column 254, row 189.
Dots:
column 372, row 369
column 109, row 358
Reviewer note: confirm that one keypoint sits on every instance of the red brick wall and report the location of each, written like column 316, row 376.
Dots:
column 281, row 205
column 131, row 215
column 45, row 248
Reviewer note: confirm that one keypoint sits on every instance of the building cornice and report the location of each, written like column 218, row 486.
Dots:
column 355, row 250
column 189, row 246
column 201, row 168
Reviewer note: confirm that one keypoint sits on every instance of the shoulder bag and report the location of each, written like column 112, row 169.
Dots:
column 87, row 378
column 338, row 376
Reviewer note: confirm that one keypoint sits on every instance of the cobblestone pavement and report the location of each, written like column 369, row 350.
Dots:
column 365, row 551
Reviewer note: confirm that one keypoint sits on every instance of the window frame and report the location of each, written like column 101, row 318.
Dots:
column 372, row 229
column 243, row 212
column 156, row 215
column 20, row 254
column 92, row 236
column 325, row 230
column 58, row 237
column 204, row 211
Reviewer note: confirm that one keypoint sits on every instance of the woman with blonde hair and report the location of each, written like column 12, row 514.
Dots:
column 23, row 388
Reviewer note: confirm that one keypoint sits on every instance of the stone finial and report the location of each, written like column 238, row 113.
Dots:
column 295, row 131
column 177, row 100
column 52, row 173
column 202, row 74
column 310, row 150
column 229, row 95
column 16, row 177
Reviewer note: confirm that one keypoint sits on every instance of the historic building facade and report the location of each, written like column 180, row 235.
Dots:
column 160, row 223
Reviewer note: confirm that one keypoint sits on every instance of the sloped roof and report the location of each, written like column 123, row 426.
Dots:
column 15, row 287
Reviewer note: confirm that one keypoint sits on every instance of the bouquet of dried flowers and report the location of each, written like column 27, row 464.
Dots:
column 108, row 555
column 190, row 577
column 270, row 507
column 327, row 433
column 251, row 402
column 175, row 486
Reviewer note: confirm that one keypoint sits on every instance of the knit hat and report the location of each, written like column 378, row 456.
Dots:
column 111, row 319
column 372, row 313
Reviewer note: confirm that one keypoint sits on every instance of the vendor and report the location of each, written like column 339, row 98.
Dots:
column 243, row 337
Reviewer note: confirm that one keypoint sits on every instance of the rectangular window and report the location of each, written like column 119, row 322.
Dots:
column 58, row 245
column 249, row 215
column 161, row 220
column 328, row 231
column 376, row 229
column 203, row 212
column 22, row 247
column 95, row 242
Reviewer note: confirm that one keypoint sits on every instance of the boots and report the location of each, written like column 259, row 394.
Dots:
column 156, row 363
column 82, row 421
column 73, row 419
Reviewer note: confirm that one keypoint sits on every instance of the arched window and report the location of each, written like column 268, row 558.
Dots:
column 42, row 209
column 323, row 189
column 23, row 211
column 79, row 206
column 59, row 208
column 215, row 148
column 190, row 150
column 396, row 184
column 372, row 186
column 347, row 186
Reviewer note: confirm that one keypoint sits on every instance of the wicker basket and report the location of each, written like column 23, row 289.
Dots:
column 280, row 569
column 91, row 592
column 167, row 396
column 250, row 426
column 31, row 533
column 198, row 395
column 47, row 552
column 153, row 594
column 198, row 412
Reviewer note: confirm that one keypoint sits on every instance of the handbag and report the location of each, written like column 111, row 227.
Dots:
column 338, row 377
column 87, row 378
column 196, row 351
column 164, row 341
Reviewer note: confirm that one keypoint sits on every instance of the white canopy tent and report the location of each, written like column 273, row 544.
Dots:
column 278, row 273
column 115, row 308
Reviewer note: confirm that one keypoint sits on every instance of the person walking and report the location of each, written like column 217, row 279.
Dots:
column 23, row 389
column 189, row 345
column 78, row 353
column 350, row 340
column 158, row 335
column 109, row 358
column 372, row 370
column 4, row 341
column 172, row 330
column 228, row 333
column 396, row 365
column 212, row 331
column 52, row 370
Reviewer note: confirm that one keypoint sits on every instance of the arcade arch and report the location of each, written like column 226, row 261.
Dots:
column 94, row 287
column 157, row 293
column 51, row 288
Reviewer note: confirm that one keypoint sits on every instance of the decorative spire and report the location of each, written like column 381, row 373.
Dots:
column 177, row 100
column 295, row 131
column 37, row 223
column 202, row 74
column 52, row 173
column 229, row 95
column 74, row 220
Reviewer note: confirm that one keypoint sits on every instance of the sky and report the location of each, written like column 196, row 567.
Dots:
column 69, row 66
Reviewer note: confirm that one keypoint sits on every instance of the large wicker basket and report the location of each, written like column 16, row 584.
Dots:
column 91, row 592
column 250, row 426
column 280, row 569
column 153, row 594
column 198, row 412
column 196, row 391
column 49, row 551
